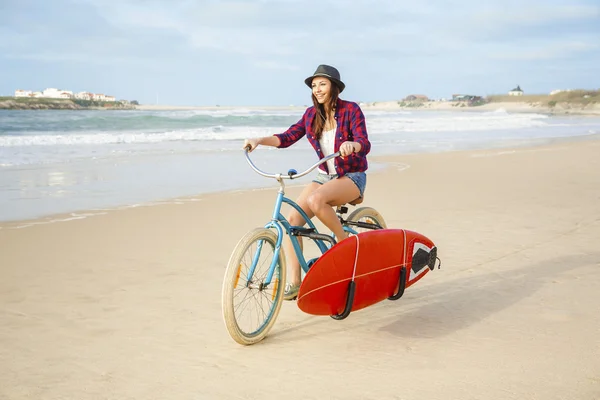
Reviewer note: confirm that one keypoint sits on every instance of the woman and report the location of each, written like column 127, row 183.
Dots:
column 330, row 125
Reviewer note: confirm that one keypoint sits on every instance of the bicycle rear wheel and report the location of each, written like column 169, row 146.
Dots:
column 250, row 304
column 368, row 215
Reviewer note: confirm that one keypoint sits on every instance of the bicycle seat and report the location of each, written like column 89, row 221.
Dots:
column 356, row 201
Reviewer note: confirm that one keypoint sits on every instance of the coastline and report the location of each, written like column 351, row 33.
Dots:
column 561, row 108
column 511, row 107
column 166, row 107
column 127, row 304
column 8, row 103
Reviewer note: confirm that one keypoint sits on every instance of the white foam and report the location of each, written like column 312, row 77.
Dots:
column 72, row 217
column 188, row 135
column 101, row 211
column 455, row 122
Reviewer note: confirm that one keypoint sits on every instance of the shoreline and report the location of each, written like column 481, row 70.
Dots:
column 385, row 162
column 560, row 109
column 511, row 107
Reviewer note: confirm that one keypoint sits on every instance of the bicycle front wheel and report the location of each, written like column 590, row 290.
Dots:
column 250, row 300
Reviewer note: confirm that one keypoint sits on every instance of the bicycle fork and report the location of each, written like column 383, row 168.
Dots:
column 267, row 281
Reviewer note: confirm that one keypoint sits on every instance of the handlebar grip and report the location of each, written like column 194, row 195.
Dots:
column 247, row 147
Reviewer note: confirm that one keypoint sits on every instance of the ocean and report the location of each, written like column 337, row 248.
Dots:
column 80, row 162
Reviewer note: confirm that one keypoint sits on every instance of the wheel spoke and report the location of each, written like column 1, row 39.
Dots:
column 250, row 310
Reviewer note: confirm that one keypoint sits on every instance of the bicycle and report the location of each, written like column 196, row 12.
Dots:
column 263, row 281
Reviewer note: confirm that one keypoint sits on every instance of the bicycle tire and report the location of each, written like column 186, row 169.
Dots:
column 231, row 291
column 368, row 213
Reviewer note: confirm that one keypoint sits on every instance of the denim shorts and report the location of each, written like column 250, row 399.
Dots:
column 359, row 179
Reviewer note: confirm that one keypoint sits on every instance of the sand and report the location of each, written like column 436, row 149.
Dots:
column 127, row 305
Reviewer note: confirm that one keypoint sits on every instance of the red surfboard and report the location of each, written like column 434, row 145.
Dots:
column 379, row 263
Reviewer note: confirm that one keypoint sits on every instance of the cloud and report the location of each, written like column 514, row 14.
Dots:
column 397, row 43
column 278, row 30
column 544, row 52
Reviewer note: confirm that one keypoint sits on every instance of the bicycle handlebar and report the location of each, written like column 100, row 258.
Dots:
column 289, row 175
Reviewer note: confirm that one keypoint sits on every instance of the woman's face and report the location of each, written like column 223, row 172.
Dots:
column 321, row 88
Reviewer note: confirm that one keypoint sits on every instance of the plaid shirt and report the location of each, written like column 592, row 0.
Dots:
column 350, row 127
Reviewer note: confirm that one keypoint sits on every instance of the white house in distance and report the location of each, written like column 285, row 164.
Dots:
column 53, row 93
column 84, row 96
column 516, row 91
column 23, row 93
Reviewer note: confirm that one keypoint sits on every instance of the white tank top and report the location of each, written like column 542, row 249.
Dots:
column 327, row 145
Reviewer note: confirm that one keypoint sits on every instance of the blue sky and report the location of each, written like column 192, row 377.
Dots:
column 258, row 52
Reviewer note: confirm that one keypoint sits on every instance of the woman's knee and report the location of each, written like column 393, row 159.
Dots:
column 316, row 200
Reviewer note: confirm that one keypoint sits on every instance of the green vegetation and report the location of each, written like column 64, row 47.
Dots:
column 28, row 103
column 29, row 100
column 414, row 104
column 96, row 104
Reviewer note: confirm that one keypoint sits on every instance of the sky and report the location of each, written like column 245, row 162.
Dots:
column 258, row 52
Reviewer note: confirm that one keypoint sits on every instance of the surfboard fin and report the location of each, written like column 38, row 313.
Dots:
column 432, row 259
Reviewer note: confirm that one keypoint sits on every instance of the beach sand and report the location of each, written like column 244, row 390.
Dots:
column 127, row 305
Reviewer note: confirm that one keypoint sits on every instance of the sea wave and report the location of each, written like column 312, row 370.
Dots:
column 17, row 125
column 215, row 133
column 455, row 122
column 183, row 126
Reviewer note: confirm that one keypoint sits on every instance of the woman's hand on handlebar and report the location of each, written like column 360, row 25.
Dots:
column 253, row 143
column 250, row 144
column 348, row 148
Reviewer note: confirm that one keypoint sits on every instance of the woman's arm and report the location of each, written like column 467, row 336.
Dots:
column 264, row 141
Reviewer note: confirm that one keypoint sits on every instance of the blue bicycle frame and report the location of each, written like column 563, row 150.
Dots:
column 281, row 224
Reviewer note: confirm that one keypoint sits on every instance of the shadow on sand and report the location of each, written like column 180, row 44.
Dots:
column 440, row 309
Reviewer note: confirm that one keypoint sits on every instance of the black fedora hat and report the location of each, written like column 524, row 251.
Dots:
column 328, row 72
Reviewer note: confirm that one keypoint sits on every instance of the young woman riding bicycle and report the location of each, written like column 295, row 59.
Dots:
column 331, row 125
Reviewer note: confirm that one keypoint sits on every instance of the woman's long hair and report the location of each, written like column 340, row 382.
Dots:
column 320, row 117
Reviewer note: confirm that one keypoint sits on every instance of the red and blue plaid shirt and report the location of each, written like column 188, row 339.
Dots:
column 350, row 127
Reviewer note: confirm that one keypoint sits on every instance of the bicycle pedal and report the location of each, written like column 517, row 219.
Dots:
column 342, row 210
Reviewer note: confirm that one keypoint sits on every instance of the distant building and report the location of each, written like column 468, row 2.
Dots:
column 23, row 93
column 84, row 96
column 470, row 99
column 516, row 91
column 54, row 93
column 416, row 97
column 464, row 97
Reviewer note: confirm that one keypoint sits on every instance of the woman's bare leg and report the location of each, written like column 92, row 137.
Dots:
column 333, row 193
column 294, row 218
